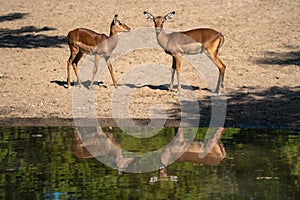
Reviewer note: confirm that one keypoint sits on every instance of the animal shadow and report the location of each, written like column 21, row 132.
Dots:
column 163, row 87
column 61, row 83
column 86, row 84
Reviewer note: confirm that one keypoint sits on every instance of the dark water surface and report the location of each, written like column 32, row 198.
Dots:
column 45, row 163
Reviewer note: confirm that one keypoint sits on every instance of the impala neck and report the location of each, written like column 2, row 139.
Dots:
column 113, row 39
column 113, row 32
column 162, row 38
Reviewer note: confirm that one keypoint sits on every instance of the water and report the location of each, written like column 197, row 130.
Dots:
column 42, row 163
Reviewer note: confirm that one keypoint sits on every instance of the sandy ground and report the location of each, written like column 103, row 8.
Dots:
column 261, row 52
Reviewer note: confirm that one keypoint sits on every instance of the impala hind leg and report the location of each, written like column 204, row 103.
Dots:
column 221, row 66
column 74, row 51
column 220, row 82
column 75, row 66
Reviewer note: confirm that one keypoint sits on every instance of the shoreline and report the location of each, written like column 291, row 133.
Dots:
column 105, row 122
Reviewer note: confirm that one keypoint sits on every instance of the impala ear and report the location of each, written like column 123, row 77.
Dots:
column 169, row 15
column 115, row 18
column 148, row 15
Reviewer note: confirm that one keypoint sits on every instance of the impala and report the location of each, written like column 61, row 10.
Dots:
column 82, row 40
column 193, row 41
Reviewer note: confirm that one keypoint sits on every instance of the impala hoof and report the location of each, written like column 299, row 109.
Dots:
column 101, row 84
column 171, row 90
column 220, row 93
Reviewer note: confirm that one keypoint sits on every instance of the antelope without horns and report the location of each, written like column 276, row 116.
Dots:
column 189, row 151
column 99, row 144
column 192, row 41
column 85, row 41
column 183, row 150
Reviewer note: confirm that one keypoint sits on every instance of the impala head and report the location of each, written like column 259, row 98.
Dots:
column 117, row 26
column 159, row 20
column 163, row 176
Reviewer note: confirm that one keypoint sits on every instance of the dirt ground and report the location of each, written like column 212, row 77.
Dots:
column 261, row 52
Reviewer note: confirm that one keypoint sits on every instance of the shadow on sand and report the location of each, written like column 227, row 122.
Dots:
column 27, row 37
column 275, row 107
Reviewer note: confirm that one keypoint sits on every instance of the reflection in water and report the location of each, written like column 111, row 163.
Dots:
column 179, row 149
column 182, row 150
column 101, row 143
column 36, row 163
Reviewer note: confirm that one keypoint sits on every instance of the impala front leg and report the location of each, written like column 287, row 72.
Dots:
column 172, row 74
column 178, row 70
column 97, row 57
column 110, row 68
column 172, row 80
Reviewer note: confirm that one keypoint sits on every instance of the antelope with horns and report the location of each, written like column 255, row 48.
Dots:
column 193, row 41
column 82, row 40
